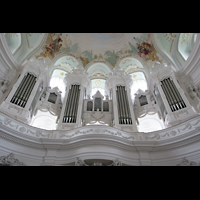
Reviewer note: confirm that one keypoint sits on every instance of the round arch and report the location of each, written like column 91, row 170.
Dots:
column 14, row 41
column 144, row 70
column 99, row 68
column 61, row 55
column 105, row 63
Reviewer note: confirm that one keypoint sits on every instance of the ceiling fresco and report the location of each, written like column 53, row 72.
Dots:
column 130, row 64
column 13, row 40
column 66, row 63
column 94, row 46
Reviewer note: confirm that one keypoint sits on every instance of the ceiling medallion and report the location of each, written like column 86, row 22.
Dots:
column 98, row 83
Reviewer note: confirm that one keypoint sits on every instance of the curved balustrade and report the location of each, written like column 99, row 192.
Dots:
column 7, row 123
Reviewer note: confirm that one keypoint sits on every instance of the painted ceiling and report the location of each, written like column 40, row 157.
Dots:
column 13, row 41
column 130, row 64
column 67, row 63
column 94, row 46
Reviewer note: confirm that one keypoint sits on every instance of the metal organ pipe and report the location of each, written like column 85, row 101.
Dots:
column 21, row 88
column 128, row 108
column 72, row 100
column 119, row 109
column 17, row 91
column 175, row 100
column 174, row 94
column 120, row 102
column 72, row 105
column 67, row 107
column 77, row 100
column 26, row 91
column 125, row 105
column 23, row 91
column 168, row 97
column 168, row 91
column 181, row 99
column 26, row 97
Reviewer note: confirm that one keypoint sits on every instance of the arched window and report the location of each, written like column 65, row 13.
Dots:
column 57, row 81
column 98, row 84
column 139, row 82
column 186, row 43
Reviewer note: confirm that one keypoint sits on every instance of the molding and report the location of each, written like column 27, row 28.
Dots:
column 186, row 162
column 9, row 160
column 170, row 138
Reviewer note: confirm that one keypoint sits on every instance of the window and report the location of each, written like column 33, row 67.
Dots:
column 98, row 84
column 139, row 82
column 89, row 106
column 57, row 81
column 52, row 98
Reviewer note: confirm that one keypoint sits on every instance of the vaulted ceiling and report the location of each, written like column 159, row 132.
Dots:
column 88, row 47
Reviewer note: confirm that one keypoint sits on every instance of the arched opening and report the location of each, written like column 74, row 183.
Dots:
column 57, row 80
column 62, row 66
column 185, row 44
column 44, row 120
column 98, row 73
column 150, row 122
column 98, row 85
column 13, row 41
column 139, row 82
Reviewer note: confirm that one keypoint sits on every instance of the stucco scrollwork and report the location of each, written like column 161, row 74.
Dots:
column 4, row 85
column 10, row 161
column 186, row 162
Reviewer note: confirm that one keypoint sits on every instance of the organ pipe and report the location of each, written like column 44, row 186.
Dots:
column 168, row 94
column 26, row 78
column 123, row 106
column 23, row 91
column 172, row 94
column 168, row 97
column 16, row 92
column 128, row 108
column 67, row 106
column 29, row 92
column 119, row 110
column 182, row 102
column 175, row 100
column 77, row 100
column 26, row 91
column 120, row 104
column 72, row 105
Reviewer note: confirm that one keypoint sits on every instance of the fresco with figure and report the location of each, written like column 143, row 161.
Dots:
column 105, row 46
